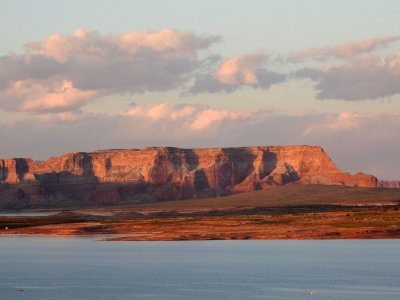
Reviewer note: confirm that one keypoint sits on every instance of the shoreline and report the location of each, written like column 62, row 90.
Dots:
column 338, row 222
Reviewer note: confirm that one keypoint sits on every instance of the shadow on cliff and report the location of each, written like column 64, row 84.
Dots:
column 229, row 167
column 232, row 166
column 269, row 163
column 173, row 174
column 21, row 167
column 241, row 165
column 3, row 173
column 108, row 164
column 87, row 165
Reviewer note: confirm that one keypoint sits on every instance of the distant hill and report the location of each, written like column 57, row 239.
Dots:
column 390, row 183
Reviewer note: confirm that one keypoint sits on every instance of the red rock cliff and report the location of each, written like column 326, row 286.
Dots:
column 169, row 173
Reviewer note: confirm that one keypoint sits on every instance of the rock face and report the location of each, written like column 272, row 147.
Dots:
column 153, row 174
column 392, row 184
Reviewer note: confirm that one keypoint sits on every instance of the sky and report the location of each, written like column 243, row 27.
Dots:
column 90, row 75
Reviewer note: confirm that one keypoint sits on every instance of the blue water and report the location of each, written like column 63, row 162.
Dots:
column 47, row 267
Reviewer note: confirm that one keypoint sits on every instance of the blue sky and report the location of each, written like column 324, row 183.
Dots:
column 240, row 73
column 281, row 26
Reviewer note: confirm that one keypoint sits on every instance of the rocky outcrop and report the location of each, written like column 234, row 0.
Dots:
column 152, row 174
column 391, row 184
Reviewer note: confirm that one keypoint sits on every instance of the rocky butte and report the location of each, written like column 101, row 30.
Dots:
column 152, row 174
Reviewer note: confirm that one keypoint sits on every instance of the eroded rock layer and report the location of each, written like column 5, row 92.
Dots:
column 151, row 174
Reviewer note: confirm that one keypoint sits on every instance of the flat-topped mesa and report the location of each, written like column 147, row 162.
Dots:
column 174, row 173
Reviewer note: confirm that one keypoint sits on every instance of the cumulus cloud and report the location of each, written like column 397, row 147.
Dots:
column 364, row 77
column 344, row 50
column 63, row 72
column 241, row 69
column 194, row 118
column 356, row 141
column 236, row 72
column 91, row 43
column 44, row 95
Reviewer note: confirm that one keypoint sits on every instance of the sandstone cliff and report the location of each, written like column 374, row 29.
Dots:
column 153, row 174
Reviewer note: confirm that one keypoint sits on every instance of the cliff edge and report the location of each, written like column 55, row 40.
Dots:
column 151, row 174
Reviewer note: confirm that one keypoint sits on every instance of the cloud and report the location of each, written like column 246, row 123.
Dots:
column 345, row 50
column 364, row 77
column 343, row 122
column 92, row 44
column 366, row 142
column 356, row 141
column 193, row 118
column 63, row 72
column 236, row 72
column 241, row 69
column 44, row 95
column 149, row 125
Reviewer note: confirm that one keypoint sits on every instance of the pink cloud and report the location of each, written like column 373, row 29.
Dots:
column 356, row 141
column 192, row 117
column 345, row 50
column 44, row 95
column 343, row 122
column 63, row 72
column 236, row 72
column 212, row 118
column 60, row 117
column 91, row 43
column 182, row 42
column 241, row 69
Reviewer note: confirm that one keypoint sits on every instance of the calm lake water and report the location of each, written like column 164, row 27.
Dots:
column 47, row 267
column 24, row 214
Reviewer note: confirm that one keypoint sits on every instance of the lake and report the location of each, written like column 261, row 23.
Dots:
column 24, row 214
column 51, row 267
